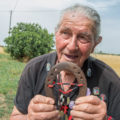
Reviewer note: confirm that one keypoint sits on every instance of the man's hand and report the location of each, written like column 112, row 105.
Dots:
column 42, row 108
column 89, row 108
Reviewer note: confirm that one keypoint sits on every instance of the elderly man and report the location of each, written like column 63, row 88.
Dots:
column 77, row 34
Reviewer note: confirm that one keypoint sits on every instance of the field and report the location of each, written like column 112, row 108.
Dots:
column 111, row 60
column 10, row 71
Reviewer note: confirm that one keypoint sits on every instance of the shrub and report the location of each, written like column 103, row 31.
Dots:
column 28, row 41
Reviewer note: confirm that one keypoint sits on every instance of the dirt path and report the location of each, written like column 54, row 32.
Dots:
column 1, row 50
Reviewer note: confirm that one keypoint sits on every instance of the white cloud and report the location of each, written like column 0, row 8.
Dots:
column 7, row 4
column 46, row 4
column 52, row 4
column 105, row 4
column 60, row 4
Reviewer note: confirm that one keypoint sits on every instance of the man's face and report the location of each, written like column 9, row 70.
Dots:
column 75, row 39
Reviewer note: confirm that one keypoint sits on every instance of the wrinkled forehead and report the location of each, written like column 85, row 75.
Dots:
column 76, row 19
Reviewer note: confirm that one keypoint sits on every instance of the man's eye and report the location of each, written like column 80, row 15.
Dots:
column 65, row 33
column 83, row 39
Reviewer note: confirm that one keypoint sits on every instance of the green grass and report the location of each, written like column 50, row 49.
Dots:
column 10, row 71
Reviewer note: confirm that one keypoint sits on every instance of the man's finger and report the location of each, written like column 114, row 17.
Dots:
column 88, row 99
column 43, row 99
column 43, row 107
column 46, row 115
column 81, row 115
column 86, row 107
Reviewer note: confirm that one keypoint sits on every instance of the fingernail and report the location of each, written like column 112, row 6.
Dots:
column 77, row 102
column 57, row 111
column 51, row 102
column 73, row 107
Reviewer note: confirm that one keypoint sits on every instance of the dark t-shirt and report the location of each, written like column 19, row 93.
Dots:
column 101, row 76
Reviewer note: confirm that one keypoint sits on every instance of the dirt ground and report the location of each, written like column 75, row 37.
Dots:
column 1, row 50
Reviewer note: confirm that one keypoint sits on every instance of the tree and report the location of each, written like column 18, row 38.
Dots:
column 28, row 40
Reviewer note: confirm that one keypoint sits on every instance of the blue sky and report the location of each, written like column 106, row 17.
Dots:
column 47, row 12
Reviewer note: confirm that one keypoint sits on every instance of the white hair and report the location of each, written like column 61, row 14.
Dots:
column 87, row 11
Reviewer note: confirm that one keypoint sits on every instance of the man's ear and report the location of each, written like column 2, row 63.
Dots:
column 99, row 40
column 96, row 43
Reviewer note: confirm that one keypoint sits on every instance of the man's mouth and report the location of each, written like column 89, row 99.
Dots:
column 72, row 57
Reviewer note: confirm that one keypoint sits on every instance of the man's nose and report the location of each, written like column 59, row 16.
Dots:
column 72, row 46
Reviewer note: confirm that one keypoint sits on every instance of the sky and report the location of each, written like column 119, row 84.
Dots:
column 47, row 13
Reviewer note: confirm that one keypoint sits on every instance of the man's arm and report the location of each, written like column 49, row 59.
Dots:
column 16, row 115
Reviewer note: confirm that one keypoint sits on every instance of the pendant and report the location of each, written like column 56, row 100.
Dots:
column 96, row 91
column 48, row 66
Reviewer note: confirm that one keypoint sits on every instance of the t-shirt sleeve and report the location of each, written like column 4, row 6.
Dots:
column 25, row 90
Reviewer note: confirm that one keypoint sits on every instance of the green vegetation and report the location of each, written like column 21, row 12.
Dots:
column 10, row 71
column 28, row 41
